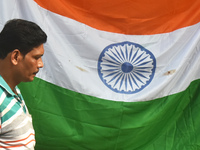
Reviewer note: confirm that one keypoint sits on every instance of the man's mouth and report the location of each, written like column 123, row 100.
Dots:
column 36, row 72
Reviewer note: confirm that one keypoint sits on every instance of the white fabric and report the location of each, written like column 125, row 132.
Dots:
column 72, row 52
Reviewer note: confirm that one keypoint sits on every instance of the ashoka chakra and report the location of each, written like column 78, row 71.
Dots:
column 126, row 67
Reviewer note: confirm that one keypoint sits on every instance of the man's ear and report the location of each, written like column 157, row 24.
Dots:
column 15, row 56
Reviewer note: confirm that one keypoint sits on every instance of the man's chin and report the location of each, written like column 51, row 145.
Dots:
column 29, row 79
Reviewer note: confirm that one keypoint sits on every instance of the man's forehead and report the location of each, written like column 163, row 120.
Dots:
column 37, row 50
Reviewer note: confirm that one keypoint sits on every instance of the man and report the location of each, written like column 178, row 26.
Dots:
column 21, row 49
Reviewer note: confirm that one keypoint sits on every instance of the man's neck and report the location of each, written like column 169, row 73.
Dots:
column 8, row 75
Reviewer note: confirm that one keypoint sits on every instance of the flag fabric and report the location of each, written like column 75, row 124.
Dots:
column 118, row 75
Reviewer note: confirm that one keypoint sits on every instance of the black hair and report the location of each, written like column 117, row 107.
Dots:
column 22, row 35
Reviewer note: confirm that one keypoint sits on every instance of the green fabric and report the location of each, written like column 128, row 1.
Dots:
column 66, row 120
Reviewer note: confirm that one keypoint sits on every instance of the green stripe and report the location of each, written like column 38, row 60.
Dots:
column 64, row 119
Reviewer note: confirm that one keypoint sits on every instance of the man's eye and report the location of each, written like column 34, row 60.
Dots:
column 37, row 58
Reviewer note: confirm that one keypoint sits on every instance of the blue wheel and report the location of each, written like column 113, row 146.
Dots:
column 126, row 67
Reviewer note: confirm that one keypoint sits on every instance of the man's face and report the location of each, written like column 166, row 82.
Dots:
column 30, row 64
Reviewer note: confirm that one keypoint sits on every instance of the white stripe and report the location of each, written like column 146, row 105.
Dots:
column 15, row 141
column 72, row 51
column 30, row 131
column 16, row 148
column 18, row 91
column 10, row 120
column 23, row 136
column 25, row 122
column 3, row 96
column 75, row 60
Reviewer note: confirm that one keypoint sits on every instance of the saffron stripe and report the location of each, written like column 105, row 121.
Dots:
column 129, row 17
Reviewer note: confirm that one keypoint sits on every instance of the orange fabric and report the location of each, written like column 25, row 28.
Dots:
column 138, row 17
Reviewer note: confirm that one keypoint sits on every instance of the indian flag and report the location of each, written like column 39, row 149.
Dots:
column 118, row 74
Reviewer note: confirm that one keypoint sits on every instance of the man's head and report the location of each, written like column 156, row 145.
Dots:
column 22, row 35
column 21, row 49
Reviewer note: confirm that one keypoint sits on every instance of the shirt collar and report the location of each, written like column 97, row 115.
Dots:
column 6, row 87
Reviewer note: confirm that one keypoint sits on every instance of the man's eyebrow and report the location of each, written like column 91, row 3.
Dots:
column 39, row 55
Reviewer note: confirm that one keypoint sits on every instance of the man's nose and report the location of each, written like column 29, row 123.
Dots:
column 40, row 63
